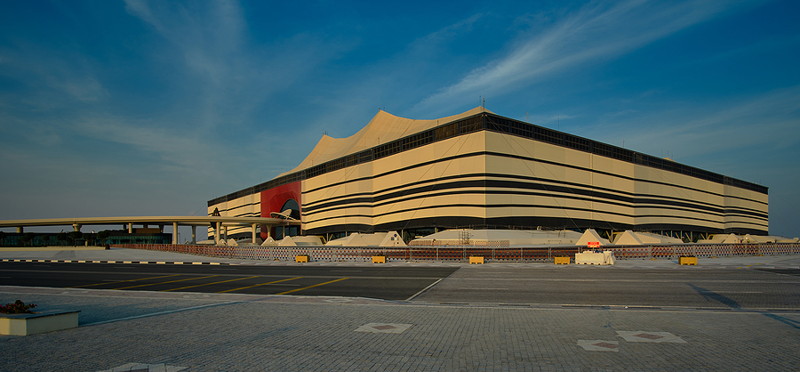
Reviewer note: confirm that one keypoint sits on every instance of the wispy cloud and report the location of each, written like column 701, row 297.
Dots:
column 767, row 120
column 597, row 31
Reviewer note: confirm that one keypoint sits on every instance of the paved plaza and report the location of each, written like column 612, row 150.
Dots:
column 169, row 331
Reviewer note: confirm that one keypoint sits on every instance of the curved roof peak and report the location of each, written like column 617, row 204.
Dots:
column 382, row 128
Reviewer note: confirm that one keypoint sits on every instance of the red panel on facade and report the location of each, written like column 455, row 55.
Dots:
column 273, row 199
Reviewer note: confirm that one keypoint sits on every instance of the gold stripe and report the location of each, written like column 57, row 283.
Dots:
column 312, row 286
column 123, row 281
column 171, row 281
column 200, row 285
column 258, row 285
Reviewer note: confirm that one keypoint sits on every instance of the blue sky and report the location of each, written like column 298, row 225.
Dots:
column 134, row 107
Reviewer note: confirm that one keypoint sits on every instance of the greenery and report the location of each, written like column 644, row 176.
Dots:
column 18, row 307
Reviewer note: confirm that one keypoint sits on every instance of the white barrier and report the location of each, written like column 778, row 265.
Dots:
column 595, row 258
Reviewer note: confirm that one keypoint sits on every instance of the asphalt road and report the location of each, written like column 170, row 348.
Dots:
column 390, row 283
column 693, row 287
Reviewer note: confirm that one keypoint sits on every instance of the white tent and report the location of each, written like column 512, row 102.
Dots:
column 721, row 239
column 641, row 238
column 293, row 241
column 392, row 239
column 312, row 240
column 379, row 239
column 590, row 235
column 269, row 242
column 759, row 239
column 511, row 238
column 628, row 237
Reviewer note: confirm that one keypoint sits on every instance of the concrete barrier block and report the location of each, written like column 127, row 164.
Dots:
column 475, row 259
column 378, row 259
column 301, row 258
column 595, row 258
column 687, row 260
column 565, row 260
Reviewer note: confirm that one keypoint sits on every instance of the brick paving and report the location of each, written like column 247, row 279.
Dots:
column 237, row 332
column 287, row 333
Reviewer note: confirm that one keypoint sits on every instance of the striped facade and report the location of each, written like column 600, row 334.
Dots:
column 479, row 169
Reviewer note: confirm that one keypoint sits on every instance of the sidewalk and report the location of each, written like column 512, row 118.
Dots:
column 123, row 254
column 202, row 332
column 168, row 331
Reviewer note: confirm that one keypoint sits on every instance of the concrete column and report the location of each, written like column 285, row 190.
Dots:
column 20, row 230
column 216, row 232
column 130, row 227
column 194, row 234
column 253, row 226
column 174, row 233
column 225, row 231
column 269, row 231
column 76, row 227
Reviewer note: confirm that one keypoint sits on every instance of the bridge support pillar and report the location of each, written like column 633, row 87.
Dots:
column 174, row 233
column 253, row 226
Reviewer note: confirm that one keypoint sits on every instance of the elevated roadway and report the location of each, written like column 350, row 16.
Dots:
column 219, row 223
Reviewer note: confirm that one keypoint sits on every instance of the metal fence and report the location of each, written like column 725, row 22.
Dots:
column 462, row 253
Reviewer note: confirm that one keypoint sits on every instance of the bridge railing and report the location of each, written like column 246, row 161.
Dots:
column 462, row 253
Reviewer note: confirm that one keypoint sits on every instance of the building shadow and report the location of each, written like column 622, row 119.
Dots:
column 733, row 304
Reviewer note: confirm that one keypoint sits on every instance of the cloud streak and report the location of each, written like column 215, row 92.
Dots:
column 595, row 32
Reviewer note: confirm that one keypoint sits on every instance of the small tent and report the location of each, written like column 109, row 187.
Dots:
column 722, row 239
column 627, row 238
column 590, row 235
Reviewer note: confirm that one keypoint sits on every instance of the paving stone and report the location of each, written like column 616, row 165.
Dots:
column 649, row 336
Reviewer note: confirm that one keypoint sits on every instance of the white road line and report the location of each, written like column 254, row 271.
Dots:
column 424, row 289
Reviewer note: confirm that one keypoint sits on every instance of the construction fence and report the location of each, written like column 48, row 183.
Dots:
column 462, row 253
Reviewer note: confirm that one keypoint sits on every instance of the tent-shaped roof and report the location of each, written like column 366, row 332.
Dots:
column 590, row 235
column 379, row 239
column 640, row 238
column 513, row 237
column 627, row 238
column 291, row 241
column 384, row 127
column 722, row 239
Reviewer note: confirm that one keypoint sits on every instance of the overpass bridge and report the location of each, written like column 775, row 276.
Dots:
column 218, row 223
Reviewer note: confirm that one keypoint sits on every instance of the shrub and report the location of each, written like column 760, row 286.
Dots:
column 18, row 307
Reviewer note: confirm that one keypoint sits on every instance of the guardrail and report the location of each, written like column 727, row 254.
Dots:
column 462, row 253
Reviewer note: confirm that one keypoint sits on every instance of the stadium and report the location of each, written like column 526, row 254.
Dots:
column 480, row 170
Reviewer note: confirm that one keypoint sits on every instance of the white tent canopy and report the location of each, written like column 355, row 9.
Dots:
column 590, row 235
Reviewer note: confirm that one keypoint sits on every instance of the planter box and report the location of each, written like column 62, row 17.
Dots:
column 39, row 322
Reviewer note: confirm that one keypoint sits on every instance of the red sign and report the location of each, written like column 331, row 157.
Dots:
column 593, row 244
